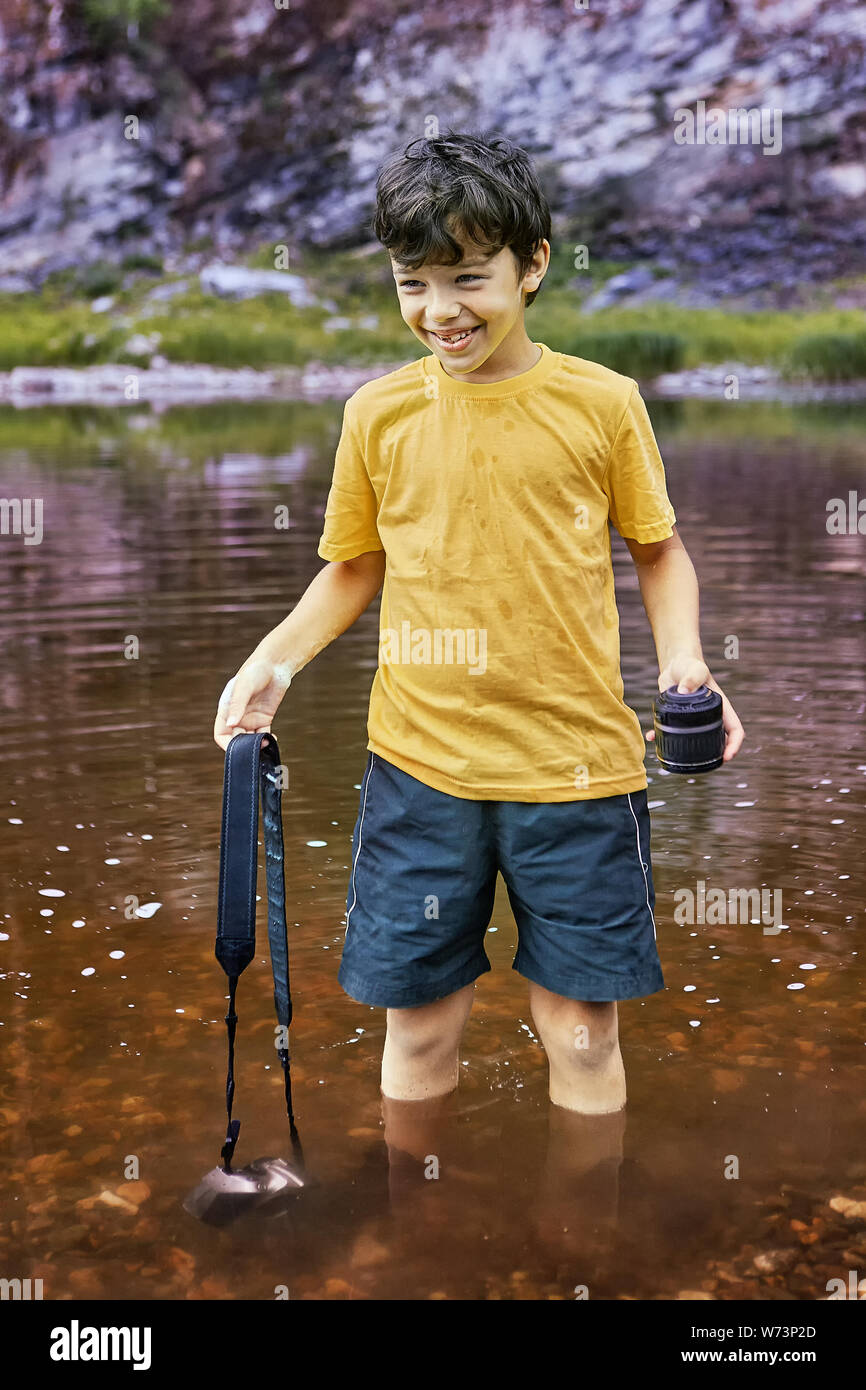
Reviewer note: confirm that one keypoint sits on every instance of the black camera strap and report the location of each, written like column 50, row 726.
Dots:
column 252, row 763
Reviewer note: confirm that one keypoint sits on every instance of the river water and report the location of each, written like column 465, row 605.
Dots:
column 158, row 570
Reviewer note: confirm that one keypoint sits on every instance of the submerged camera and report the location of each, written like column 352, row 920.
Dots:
column 690, row 734
column 224, row 1194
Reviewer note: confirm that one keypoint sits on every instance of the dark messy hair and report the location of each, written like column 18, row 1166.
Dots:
column 480, row 186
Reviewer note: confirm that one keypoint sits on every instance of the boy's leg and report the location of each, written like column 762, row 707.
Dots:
column 576, row 1208
column 420, row 1066
column 417, row 1132
column 579, row 879
column 581, row 1040
column 420, row 1060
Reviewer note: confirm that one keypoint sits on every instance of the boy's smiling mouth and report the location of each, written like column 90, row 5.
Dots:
column 455, row 339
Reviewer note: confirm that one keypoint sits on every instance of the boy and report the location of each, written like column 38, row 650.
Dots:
column 478, row 483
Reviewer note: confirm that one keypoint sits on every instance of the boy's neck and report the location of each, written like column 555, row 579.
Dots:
column 515, row 354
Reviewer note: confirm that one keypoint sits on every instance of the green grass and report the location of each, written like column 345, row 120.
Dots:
column 32, row 335
column 831, row 356
column 633, row 352
column 57, row 325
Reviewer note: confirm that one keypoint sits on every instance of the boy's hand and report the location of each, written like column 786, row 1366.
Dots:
column 250, row 700
column 689, row 673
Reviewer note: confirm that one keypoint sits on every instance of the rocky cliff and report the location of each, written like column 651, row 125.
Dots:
column 135, row 126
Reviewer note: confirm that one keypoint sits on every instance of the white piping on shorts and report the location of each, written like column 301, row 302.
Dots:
column 642, row 864
column 358, row 851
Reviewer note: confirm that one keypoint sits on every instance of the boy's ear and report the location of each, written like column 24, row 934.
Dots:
column 541, row 274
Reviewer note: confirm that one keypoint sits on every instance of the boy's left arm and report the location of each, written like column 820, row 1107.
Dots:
column 669, row 589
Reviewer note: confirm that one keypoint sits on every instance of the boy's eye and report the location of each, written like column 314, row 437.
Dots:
column 406, row 284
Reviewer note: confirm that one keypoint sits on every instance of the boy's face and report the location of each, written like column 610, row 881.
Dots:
column 481, row 294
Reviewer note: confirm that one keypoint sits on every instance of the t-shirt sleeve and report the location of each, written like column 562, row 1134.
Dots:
column 634, row 478
column 351, row 509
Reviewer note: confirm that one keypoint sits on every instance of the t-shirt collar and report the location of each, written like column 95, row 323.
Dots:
column 485, row 390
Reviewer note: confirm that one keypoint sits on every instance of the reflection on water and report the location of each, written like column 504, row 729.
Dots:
column 161, row 566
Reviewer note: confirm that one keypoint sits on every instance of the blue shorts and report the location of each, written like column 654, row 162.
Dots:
column 424, row 866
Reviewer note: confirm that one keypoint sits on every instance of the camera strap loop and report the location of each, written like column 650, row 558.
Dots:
column 252, row 767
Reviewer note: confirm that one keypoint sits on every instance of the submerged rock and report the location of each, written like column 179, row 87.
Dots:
column 851, row 1209
column 775, row 1261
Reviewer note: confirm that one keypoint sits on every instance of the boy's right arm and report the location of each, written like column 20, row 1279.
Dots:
column 332, row 602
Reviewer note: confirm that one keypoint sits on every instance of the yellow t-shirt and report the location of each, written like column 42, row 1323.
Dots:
column 499, row 666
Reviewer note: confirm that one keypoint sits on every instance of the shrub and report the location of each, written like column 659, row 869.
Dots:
column 142, row 260
column 99, row 278
column 828, row 356
column 111, row 19
column 633, row 353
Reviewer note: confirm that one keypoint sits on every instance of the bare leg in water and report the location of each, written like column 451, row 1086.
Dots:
column 420, row 1068
column 579, row 1188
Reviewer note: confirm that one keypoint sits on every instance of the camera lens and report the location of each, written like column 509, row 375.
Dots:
column 690, row 735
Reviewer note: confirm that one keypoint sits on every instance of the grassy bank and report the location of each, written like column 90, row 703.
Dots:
column 59, row 326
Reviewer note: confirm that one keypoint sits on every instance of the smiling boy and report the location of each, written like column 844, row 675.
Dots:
column 478, row 482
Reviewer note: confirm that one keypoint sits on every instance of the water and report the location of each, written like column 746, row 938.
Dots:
column 159, row 540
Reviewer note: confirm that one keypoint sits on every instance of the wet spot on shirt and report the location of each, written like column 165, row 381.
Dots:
column 505, row 609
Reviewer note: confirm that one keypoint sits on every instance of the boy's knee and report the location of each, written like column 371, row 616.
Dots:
column 431, row 1030
column 422, row 1040
column 590, row 1044
column 595, row 1051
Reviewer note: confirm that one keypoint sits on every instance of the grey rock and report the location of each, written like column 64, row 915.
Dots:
column 618, row 287
column 91, row 177
column 169, row 291
column 239, row 282
column 141, row 344
column 171, row 382
column 15, row 284
column 841, row 180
